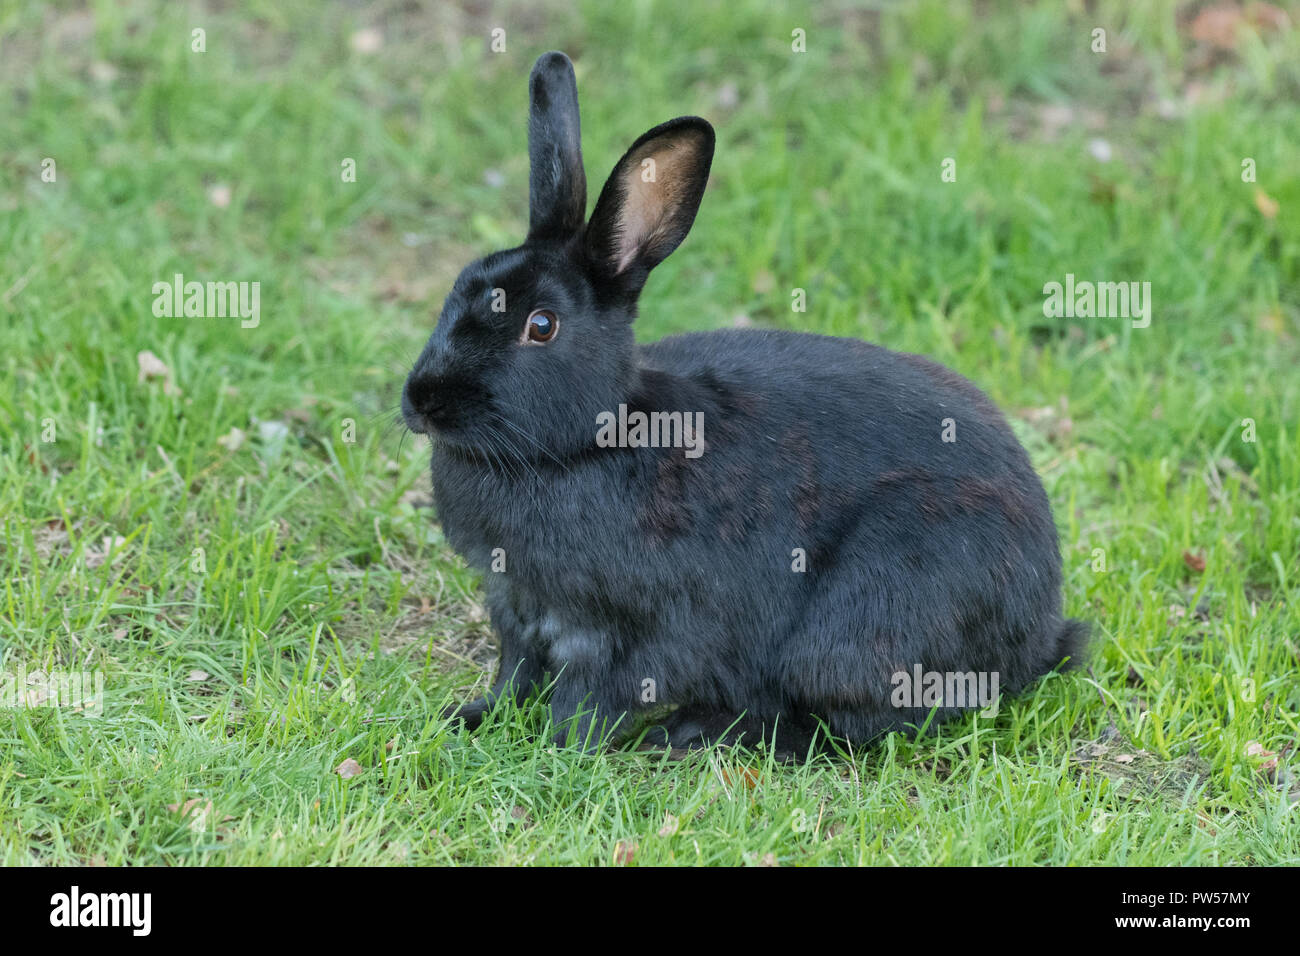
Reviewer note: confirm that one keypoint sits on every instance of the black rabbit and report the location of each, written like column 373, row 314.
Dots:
column 830, row 525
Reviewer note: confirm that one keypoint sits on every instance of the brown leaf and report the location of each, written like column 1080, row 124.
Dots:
column 1194, row 561
column 746, row 775
column 1216, row 26
column 34, row 461
column 522, row 815
column 348, row 769
column 1268, row 206
column 624, row 852
column 196, row 809
column 670, row 826
column 1256, row 749
column 769, row 859
column 1265, row 17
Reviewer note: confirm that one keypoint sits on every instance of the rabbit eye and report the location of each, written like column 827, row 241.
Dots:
column 542, row 326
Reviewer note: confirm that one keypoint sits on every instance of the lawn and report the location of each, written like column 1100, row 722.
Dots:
column 225, row 521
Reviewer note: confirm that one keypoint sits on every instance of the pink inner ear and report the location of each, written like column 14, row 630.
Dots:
column 648, row 206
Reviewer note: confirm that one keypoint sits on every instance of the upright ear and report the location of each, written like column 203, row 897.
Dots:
column 557, row 186
column 650, row 200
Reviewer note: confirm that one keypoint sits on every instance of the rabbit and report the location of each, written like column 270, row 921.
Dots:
column 766, row 573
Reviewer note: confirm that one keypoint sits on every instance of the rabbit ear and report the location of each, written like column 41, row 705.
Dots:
column 650, row 200
column 557, row 186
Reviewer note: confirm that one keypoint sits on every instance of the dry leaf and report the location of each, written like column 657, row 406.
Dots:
column 1265, row 16
column 1217, row 26
column 1194, row 561
column 219, row 195
column 196, row 809
column 197, row 676
column 349, row 769
column 624, row 852
column 368, row 40
column 110, row 544
column 183, row 809
column 152, row 367
column 233, row 440
column 769, row 859
column 670, row 825
column 745, row 775
column 1256, row 749
column 1266, row 204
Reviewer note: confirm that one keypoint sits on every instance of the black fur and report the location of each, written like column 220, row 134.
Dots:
column 557, row 185
column 627, row 565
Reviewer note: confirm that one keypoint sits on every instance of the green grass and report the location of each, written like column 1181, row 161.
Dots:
column 331, row 621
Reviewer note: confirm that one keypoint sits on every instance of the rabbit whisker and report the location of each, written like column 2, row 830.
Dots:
column 538, row 445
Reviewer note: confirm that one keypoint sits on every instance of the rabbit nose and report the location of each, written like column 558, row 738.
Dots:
column 425, row 403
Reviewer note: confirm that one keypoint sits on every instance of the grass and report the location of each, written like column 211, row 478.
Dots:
column 325, row 618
